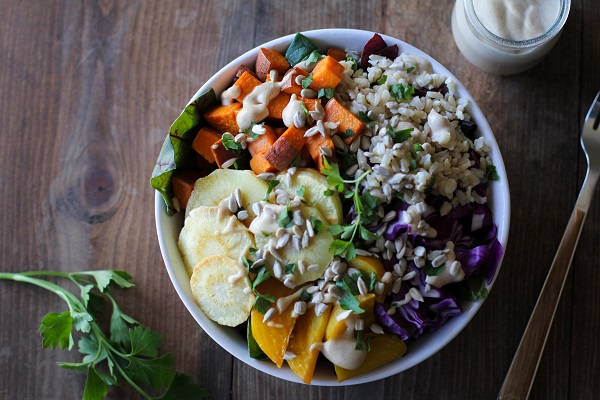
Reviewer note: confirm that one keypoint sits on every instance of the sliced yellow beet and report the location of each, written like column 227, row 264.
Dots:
column 368, row 265
column 309, row 329
column 337, row 328
column 384, row 348
column 273, row 336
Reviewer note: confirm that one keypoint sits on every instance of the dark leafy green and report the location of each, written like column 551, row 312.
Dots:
column 300, row 49
column 177, row 148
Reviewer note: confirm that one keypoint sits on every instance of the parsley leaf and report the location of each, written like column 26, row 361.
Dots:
column 491, row 174
column 364, row 117
column 349, row 302
column 353, row 61
column 316, row 223
column 286, row 218
column 230, row 144
column 399, row 136
column 271, row 185
column 289, row 268
column 382, row 80
column 130, row 354
column 326, row 93
column 307, row 81
column 400, row 92
column 410, row 69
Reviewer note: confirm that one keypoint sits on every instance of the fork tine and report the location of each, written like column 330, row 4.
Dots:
column 592, row 117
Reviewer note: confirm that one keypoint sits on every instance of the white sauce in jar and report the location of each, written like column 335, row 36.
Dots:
column 517, row 19
column 507, row 36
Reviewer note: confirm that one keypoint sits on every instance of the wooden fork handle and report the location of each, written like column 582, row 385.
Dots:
column 521, row 373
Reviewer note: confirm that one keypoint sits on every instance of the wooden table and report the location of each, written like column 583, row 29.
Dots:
column 88, row 90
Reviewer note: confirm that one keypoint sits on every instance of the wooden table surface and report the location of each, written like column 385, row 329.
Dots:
column 88, row 90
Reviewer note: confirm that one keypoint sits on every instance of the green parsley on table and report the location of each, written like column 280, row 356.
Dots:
column 128, row 352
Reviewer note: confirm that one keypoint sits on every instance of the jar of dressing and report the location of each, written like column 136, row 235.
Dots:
column 507, row 36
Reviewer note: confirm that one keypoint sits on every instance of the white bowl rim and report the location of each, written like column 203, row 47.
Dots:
column 425, row 346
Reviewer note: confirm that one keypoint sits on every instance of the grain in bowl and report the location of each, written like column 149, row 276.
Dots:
column 400, row 175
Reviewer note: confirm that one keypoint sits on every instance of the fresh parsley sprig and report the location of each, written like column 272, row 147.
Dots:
column 345, row 244
column 129, row 352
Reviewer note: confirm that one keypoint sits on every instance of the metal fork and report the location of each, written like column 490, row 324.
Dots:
column 521, row 373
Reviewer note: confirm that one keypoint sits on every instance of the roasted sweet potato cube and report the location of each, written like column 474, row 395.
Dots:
column 268, row 60
column 246, row 82
column 314, row 144
column 183, row 184
column 277, row 105
column 222, row 117
column 203, row 141
column 337, row 54
column 279, row 130
column 259, row 164
column 349, row 126
column 286, row 148
column 290, row 86
column 221, row 154
column 326, row 74
column 263, row 142
column 241, row 69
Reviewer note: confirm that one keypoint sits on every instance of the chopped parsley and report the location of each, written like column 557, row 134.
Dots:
column 364, row 117
column 382, row 80
column 399, row 136
column 491, row 174
column 354, row 63
column 410, row 69
column 307, row 81
column 286, row 218
column 400, row 92
column 325, row 93
column 272, row 185
column 316, row 223
column 230, row 144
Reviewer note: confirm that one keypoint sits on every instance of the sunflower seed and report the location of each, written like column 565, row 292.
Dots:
column 228, row 163
column 269, row 314
column 414, row 292
column 376, row 329
column 320, row 309
column 242, row 215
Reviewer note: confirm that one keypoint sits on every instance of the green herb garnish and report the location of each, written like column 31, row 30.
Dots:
column 399, row 136
column 348, row 232
column 491, row 174
column 272, row 184
column 349, row 302
column 362, row 345
column 325, row 93
column 410, row 69
column 316, row 223
column 286, row 218
column 129, row 352
column 364, row 117
column 353, row 61
column 313, row 57
column 230, row 144
column 289, row 268
column 400, row 92
column 382, row 80
column 307, row 81
column 262, row 302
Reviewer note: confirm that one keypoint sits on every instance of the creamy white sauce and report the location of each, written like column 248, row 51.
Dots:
column 228, row 95
column 265, row 223
column 442, row 131
column 445, row 277
column 284, row 302
column 341, row 351
column 293, row 107
column 240, row 273
column 517, row 19
column 254, row 106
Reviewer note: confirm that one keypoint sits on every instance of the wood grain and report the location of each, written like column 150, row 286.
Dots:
column 89, row 89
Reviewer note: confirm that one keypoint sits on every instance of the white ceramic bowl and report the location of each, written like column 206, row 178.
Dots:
column 235, row 343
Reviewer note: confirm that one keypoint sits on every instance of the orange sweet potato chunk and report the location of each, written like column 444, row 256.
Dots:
column 203, row 142
column 183, row 184
column 309, row 329
column 314, row 144
column 259, row 164
column 273, row 336
column 246, row 82
column 263, row 142
column 290, row 86
column 268, row 60
column 222, row 117
column 277, row 105
column 349, row 126
column 326, row 74
column 286, row 148
column 337, row 54
column 221, row 154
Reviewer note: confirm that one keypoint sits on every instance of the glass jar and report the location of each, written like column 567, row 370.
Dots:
column 479, row 39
